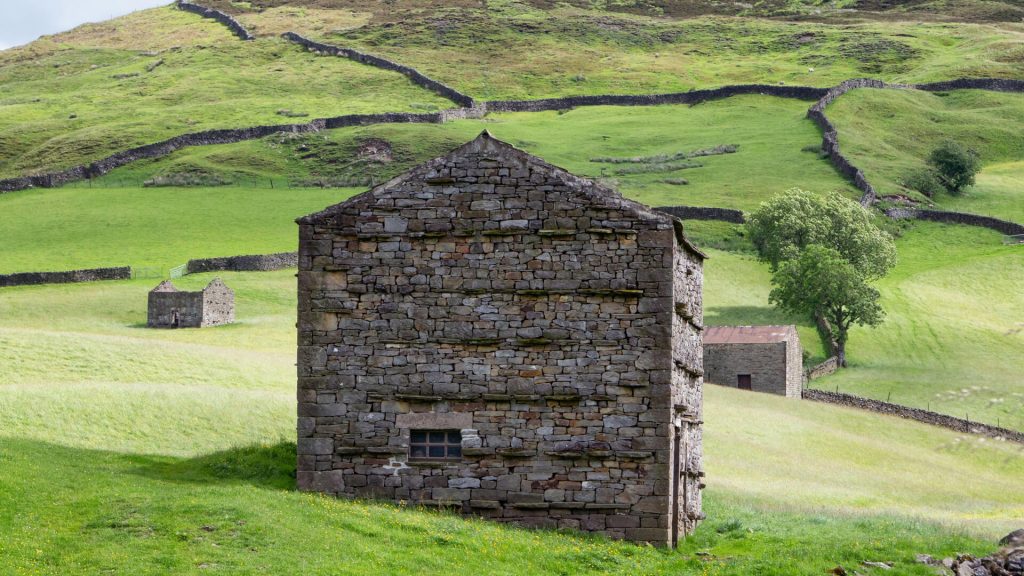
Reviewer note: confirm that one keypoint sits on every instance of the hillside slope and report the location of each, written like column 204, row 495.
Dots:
column 162, row 72
column 126, row 447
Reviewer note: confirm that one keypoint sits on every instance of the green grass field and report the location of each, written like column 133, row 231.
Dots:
column 125, row 450
column 890, row 133
column 134, row 451
column 771, row 133
column 83, row 95
column 953, row 339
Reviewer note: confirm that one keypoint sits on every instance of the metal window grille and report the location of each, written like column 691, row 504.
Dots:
column 435, row 445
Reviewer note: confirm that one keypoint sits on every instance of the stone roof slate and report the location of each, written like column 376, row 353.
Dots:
column 748, row 334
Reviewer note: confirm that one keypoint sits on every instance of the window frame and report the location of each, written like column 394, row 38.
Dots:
column 451, row 442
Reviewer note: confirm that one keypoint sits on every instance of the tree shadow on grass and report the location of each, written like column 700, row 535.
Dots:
column 262, row 465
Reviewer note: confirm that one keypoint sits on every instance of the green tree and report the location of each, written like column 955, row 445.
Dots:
column 955, row 165
column 821, row 282
column 783, row 227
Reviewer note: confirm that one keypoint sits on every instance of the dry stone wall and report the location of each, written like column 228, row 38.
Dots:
column 826, row 368
column 414, row 75
column 251, row 263
column 704, row 213
column 68, row 277
column 925, row 416
column 234, row 25
column 692, row 97
column 494, row 295
column 1002, row 226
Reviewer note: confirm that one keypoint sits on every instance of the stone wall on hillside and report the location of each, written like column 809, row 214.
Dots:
column 925, row 416
column 826, row 368
column 830, row 136
column 414, row 75
column 68, row 277
column 234, row 25
column 704, row 213
column 692, row 97
column 249, row 263
column 1001, row 226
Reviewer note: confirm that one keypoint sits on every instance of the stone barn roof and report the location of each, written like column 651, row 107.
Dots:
column 165, row 286
column 589, row 191
column 748, row 334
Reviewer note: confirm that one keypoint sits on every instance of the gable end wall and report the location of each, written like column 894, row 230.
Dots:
column 498, row 302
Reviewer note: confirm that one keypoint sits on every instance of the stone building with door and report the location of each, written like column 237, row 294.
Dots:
column 172, row 308
column 490, row 333
column 758, row 358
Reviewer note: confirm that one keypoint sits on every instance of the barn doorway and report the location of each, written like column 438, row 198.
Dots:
column 743, row 382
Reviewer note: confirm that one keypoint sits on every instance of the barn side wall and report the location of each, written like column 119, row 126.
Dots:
column 794, row 366
column 766, row 364
column 218, row 306
column 164, row 305
column 687, row 386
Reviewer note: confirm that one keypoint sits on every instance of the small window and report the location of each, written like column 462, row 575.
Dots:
column 743, row 382
column 435, row 445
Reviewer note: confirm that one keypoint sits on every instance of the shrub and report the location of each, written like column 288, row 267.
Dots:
column 956, row 165
column 925, row 180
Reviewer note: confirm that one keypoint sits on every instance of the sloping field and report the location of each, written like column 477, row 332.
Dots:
column 136, row 451
column 890, row 133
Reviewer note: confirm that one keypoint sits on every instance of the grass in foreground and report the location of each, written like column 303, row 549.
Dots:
column 124, row 450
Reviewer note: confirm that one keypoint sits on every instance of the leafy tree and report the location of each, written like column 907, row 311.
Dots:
column 956, row 165
column 789, row 223
column 822, row 282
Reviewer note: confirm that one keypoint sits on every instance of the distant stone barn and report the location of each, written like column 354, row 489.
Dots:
column 491, row 333
column 172, row 308
column 758, row 358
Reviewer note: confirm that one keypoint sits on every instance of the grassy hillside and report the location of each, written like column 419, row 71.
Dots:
column 771, row 135
column 149, row 228
column 82, row 95
column 167, row 452
column 953, row 339
column 890, row 133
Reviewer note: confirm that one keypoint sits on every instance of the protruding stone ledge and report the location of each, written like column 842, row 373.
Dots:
column 515, row 453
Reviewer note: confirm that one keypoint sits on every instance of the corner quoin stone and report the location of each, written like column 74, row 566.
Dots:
column 552, row 325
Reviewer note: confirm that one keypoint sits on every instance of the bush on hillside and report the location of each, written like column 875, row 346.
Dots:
column 925, row 180
column 955, row 165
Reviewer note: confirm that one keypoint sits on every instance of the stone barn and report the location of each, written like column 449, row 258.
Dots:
column 490, row 333
column 759, row 358
column 172, row 308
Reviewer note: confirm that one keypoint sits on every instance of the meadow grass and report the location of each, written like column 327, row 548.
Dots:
column 136, row 451
column 79, row 97
column 890, row 133
column 149, row 227
column 953, row 339
column 570, row 51
column 776, row 150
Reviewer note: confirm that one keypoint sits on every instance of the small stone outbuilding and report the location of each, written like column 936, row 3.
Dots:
column 172, row 308
column 759, row 358
column 490, row 333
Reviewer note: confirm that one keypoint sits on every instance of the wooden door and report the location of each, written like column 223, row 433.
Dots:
column 743, row 382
